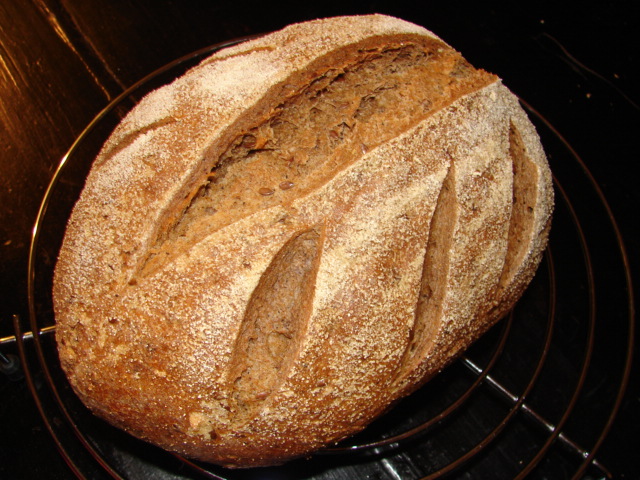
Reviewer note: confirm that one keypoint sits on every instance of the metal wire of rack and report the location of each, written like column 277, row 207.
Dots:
column 513, row 406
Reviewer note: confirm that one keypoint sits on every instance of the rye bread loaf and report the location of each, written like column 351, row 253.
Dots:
column 276, row 247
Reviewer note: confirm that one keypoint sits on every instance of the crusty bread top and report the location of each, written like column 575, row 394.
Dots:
column 153, row 325
column 172, row 129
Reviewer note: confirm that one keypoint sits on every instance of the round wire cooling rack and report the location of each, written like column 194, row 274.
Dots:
column 535, row 396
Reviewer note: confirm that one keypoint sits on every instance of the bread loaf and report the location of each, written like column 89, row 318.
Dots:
column 304, row 228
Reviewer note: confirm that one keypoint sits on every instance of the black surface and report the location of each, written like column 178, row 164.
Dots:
column 63, row 60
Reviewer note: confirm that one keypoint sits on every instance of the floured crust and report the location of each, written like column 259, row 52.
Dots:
column 405, row 254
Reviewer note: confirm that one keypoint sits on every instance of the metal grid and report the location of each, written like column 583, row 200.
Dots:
column 535, row 397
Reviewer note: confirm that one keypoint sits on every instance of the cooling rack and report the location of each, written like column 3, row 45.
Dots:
column 534, row 397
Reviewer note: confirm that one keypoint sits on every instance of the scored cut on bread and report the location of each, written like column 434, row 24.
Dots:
column 273, row 249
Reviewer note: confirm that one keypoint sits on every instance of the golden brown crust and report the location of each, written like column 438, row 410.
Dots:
column 381, row 268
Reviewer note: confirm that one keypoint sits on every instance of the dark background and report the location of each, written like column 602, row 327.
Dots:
column 62, row 61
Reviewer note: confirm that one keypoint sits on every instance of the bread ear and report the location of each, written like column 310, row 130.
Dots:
column 274, row 324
